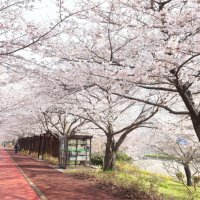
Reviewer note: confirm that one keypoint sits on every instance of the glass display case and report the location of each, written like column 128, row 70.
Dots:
column 75, row 150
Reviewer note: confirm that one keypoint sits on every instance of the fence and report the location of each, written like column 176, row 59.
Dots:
column 40, row 144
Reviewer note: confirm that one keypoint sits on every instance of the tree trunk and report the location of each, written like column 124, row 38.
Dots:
column 187, row 98
column 196, row 125
column 109, row 159
column 188, row 175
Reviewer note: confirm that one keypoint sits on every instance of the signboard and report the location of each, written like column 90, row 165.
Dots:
column 182, row 141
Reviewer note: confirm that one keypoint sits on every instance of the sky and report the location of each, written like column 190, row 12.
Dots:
column 43, row 11
column 46, row 10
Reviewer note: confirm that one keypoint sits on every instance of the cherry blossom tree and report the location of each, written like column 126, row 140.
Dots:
column 175, row 70
column 58, row 122
column 94, row 58
column 111, row 116
column 154, row 43
column 21, row 36
column 16, row 35
column 181, row 151
column 166, row 52
column 111, row 48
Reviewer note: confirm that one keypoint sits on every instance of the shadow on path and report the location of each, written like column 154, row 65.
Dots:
column 13, row 185
column 56, row 185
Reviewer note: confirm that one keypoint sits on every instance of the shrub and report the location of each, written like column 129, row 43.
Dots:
column 196, row 179
column 120, row 156
column 97, row 159
column 126, row 168
column 51, row 159
column 158, row 156
column 180, row 176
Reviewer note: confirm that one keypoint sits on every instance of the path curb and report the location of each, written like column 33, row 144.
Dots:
column 35, row 188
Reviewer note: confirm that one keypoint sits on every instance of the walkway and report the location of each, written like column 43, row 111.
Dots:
column 56, row 185
column 13, row 185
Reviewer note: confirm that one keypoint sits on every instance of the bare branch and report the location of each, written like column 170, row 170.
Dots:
column 154, row 104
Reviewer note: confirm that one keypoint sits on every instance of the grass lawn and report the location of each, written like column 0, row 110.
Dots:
column 128, row 179
column 178, row 190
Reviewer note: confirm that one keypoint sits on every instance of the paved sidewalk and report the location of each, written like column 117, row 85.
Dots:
column 56, row 185
column 13, row 185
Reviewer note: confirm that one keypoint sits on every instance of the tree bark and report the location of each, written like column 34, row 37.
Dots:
column 187, row 98
column 188, row 175
column 109, row 159
column 196, row 125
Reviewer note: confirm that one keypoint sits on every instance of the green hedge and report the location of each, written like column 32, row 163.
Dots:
column 158, row 156
column 97, row 159
column 121, row 156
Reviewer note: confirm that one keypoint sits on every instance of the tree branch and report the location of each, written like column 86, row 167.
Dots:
column 154, row 104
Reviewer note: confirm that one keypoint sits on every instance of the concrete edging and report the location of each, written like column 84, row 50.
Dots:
column 35, row 188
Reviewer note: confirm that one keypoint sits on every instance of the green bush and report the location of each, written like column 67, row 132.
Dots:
column 158, row 156
column 180, row 176
column 196, row 179
column 120, row 156
column 97, row 159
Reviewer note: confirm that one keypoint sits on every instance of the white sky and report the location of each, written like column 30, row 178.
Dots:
column 43, row 11
column 46, row 10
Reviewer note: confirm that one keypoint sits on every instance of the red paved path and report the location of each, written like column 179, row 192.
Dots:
column 13, row 185
column 56, row 185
